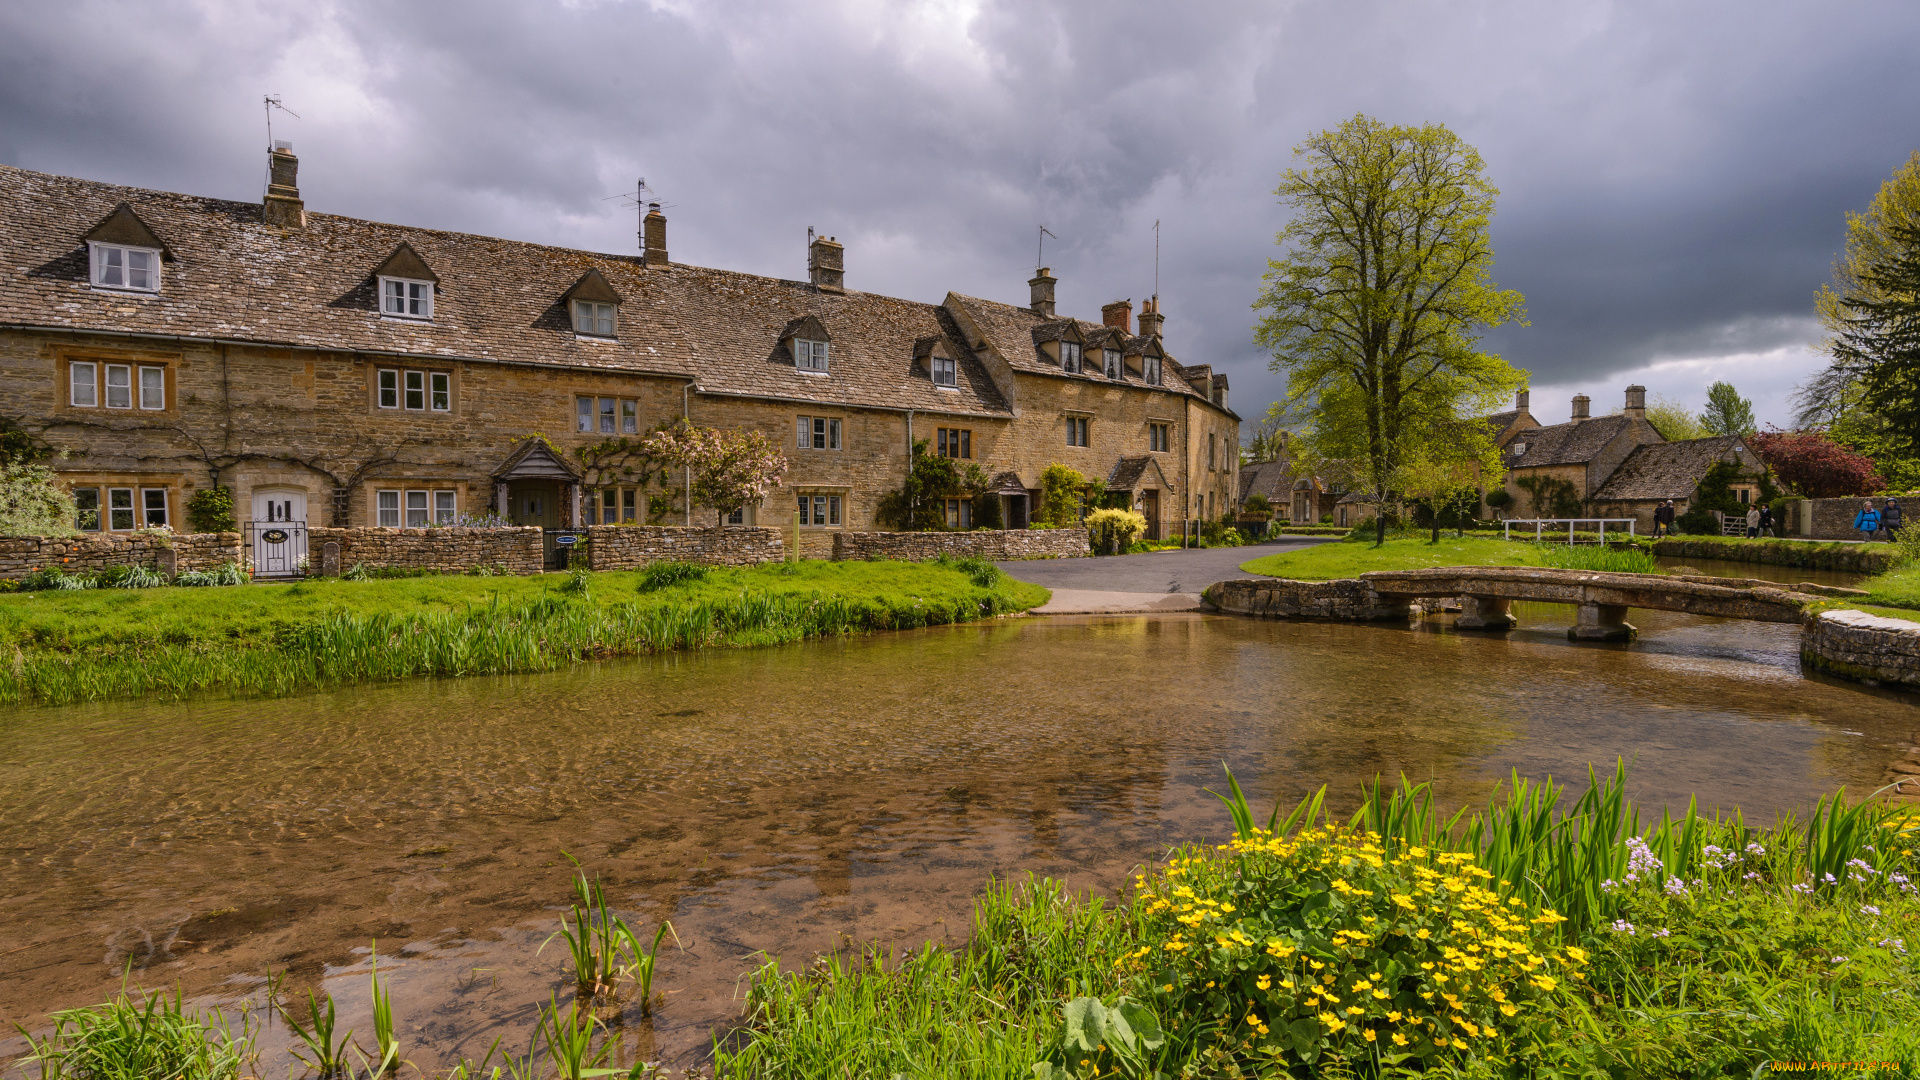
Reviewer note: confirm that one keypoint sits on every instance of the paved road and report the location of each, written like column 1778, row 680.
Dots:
column 1115, row 583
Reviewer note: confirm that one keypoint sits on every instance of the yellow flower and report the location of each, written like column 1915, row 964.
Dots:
column 1332, row 1022
column 1361, row 984
column 1399, row 1039
column 1579, row 954
column 1394, row 1016
column 1288, row 983
column 1353, row 1010
column 1381, row 994
column 1544, row 982
column 1509, row 1009
column 1367, row 1035
column 1264, row 981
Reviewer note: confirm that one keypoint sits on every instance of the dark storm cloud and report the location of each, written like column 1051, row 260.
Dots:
column 1674, row 177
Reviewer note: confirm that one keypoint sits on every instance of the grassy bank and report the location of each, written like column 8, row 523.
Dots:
column 1325, row 562
column 268, row 640
column 1519, row 941
column 1805, row 554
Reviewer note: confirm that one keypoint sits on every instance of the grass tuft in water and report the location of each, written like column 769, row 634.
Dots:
column 130, row 1038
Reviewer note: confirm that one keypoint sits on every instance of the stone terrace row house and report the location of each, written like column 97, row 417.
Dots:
column 348, row 372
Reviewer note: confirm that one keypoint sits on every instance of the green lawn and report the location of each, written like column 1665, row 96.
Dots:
column 1325, row 562
column 256, row 639
column 1895, row 589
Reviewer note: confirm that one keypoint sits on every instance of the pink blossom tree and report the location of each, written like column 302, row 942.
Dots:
column 731, row 468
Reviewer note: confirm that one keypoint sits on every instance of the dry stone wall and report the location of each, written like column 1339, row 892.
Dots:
column 994, row 544
column 22, row 555
column 1857, row 645
column 445, row 550
column 624, row 547
column 1832, row 519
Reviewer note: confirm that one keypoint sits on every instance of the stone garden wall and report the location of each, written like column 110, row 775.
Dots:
column 1832, row 519
column 624, row 547
column 444, row 550
column 994, row 544
column 1862, row 646
column 21, row 555
column 1347, row 600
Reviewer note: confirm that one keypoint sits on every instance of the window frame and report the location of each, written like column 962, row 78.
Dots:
column 1113, row 363
column 439, row 391
column 945, row 371
column 107, row 387
column 957, row 512
column 954, row 443
column 1150, row 370
column 147, row 509
column 817, row 354
column 95, row 264
column 818, row 433
column 450, row 512
column 80, row 511
column 583, row 414
column 629, row 416
column 413, row 383
column 141, row 388
column 820, row 510
column 93, row 383
column 425, row 508
column 381, row 509
column 1079, row 431
column 386, row 396
column 1159, row 437
column 590, row 310
column 421, row 301
column 1072, row 357
column 131, row 509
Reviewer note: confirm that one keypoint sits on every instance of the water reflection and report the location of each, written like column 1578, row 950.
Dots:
column 787, row 801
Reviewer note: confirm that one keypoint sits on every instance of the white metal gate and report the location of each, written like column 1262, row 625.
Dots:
column 279, row 547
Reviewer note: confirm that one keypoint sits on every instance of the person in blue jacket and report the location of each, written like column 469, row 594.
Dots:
column 1867, row 521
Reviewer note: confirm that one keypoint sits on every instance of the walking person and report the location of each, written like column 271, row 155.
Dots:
column 1766, row 520
column 1753, row 521
column 1890, row 521
column 1867, row 521
column 1663, row 520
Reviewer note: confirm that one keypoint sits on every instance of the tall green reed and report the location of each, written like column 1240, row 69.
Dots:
column 134, row 1039
column 318, row 1050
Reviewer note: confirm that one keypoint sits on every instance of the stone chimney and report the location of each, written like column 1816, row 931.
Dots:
column 1150, row 318
column 1580, row 403
column 1120, row 314
column 827, row 265
column 1520, row 402
column 1637, row 402
column 1040, row 293
column 282, row 205
column 654, row 236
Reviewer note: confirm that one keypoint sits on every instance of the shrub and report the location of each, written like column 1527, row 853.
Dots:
column 1111, row 531
column 31, row 503
column 662, row 575
column 211, row 510
column 1257, row 504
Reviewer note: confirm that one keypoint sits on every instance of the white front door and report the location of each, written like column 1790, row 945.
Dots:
column 280, row 506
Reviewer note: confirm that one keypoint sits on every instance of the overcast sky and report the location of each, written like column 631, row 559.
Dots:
column 1674, row 176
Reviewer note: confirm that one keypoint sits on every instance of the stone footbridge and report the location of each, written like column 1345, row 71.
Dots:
column 1486, row 595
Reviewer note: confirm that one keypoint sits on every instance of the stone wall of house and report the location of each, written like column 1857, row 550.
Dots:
column 995, row 544
column 1348, row 600
column 446, row 550
column 624, row 547
column 1861, row 646
column 22, row 555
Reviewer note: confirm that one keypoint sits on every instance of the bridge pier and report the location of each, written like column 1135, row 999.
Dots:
column 1602, row 622
column 1485, row 613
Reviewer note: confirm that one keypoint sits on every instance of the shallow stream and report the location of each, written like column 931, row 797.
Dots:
column 789, row 801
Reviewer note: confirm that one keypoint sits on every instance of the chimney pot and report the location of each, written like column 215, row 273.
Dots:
column 826, row 265
column 654, row 237
column 1150, row 318
column 282, row 205
column 1520, row 401
column 1637, row 401
column 1120, row 314
column 1040, row 293
column 1580, row 403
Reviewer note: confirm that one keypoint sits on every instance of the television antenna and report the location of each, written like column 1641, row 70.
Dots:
column 1040, row 248
column 268, row 103
column 1156, row 264
column 642, row 198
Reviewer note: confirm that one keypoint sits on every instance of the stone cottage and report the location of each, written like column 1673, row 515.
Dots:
column 336, row 371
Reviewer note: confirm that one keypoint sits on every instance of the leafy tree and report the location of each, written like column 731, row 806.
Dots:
column 1672, row 420
column 732, row 468
column 1257, row 504
column 31, row 503
column 1269, row 439
column 1111, row 531
column 1443, row 491
column 1880, row 343
column 1065, row 494
column 1814, row 465
column 1375, row 309
column 930, row 479
column 1727, row 413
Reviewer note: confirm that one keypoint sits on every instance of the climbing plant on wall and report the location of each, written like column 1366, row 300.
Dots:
column 1552, row 497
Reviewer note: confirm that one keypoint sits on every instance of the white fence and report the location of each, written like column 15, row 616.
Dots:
column 1541, row 526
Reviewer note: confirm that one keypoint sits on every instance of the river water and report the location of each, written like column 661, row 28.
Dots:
column 790, row 801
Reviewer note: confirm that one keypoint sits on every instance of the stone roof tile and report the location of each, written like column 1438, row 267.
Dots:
column 1666, row 470
column 1567, row 444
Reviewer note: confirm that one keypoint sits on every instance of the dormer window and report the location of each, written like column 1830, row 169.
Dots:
column 1150, row 370
column 118, row 267
column 946, row 371
column 1111, row 359
column 1070, row 357
column 809, row 355
column 593, row 319
column 403, row 298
